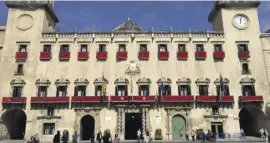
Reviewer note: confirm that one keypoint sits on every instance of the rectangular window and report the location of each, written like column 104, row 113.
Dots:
column 84, row 48
column 121, row 90
column 17, row 91
column 162, row 48
column 22, row 48
column 143, row 47
column 165, row 90
column 243, row 48
column 80, row 91
column 144, row 90
column 42, row 91
column 215, row 110
column 47, row 48
column 184, row 90
column 226, row 90
column 48, row 128
column 122, row 47
column 19, row 69
column 50, row 111
column 203, row 90
column 61, row 91
column 199, row 48
column 248, row 90
column 102, row 48
column 245, row 68
column 218, row 48
column 64, row 48
column 181, row 47
column 98, row 90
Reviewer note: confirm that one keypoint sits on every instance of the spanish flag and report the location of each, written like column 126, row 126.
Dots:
column 103, row 85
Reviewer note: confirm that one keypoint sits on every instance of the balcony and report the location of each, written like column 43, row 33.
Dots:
column 86, row 99
column 215, row 114
column 37, row 100
column 119, row 99
column 19, row 72
column 251, row 98
column 45, row 55
column 14, row 100
column 83, row 55
column 219, row 55
column 121, row 55
column 178, row 98
column 206, row 98
column 163, row 55
column 102, row 55
column 64, row 55
column 143, row 55
column 143, row 98
column 21, row 55
column 200, row 55
column 243, row 54
column 228, row 99
column 182, row 55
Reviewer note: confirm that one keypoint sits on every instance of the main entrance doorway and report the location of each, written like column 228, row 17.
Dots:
column 133, row 122
column 87, row 127
column 217, row 128
column 251, row 120
column 15, row 122
column 178, row 127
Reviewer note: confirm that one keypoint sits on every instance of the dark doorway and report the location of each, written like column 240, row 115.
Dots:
column 15, row 122
column 251, row 120
column 87, row 127
column 217, row 128
column 133, row 122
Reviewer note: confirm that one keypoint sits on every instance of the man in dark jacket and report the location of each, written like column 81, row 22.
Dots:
column 99, row 137
column 56, row 138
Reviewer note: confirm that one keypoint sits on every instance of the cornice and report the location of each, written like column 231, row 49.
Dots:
column 32, row 5
column 231, row 4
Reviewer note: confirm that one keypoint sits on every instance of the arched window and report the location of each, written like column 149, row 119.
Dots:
column 121, row 87
column 144, row 86
column 203, row 85
column 164, row 86
column 98, row 86
column 222, row 86
column 184, row 86
column 61, row 87
column 80, row 87
column 248, row 88
column 17, row 87
column 42, row 87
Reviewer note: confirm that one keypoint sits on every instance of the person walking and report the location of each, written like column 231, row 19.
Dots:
column 92, row 139
column 75, row 137
column 116, row 139
column 139, row 133
column 56, row 138
column 193, row 135
column 99, row 136
column 147, row 137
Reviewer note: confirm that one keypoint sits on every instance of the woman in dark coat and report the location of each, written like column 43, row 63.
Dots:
column 56, row 138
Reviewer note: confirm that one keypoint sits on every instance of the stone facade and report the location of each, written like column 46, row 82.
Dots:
column 36, row 28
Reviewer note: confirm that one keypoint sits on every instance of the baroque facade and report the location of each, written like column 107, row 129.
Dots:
column 173, row 81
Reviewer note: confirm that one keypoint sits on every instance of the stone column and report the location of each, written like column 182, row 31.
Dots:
column 148, row 123
column 97, row 114
column 123, row 123
column 143, row 120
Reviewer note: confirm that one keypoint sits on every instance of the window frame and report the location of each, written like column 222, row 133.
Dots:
column 163, row 46
column 183, row 49
column 58, row 90
column 243, row 47
column 122, row 48
column 47, row 48
column 83, row 46
column 142, row 48
column 200, row 46
column 52, row 130
column 64, row 48
column 102, row 48
column 218, row 47
column 22, row 47
column 15, row 91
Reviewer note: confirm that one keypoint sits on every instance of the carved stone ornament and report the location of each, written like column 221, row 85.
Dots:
column 24, row 22
column 144, row 81
column 183, row 80
column 203, row 80
column 81, row 81
column 164, row 80
column 133, row 68
column 43, row 81
column 62, row 81
column 17, row 81
column 98, row 81
column 225, row 80
column 247, row 80
column 121, row 80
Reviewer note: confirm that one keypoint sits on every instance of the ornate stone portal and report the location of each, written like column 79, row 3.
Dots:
column 80, row 113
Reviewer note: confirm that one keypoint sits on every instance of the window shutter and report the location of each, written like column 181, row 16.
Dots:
column 147, row 90
column 159, row 90
column 126, row 91
column 96, row 88
column 189, row 90
column 227, row 90
column 169, row 90
column 218, row 90
column 139, row 90
column 243, row 90
column 75, row 91
column 57, row 91
column 179, row 90
column 253, row 91
column 19, row 92
column 38, row 93
column 116, row 90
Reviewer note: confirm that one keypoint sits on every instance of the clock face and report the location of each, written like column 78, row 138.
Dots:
column 240, row 22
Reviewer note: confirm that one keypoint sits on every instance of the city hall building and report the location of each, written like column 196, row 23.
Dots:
column 127, row 79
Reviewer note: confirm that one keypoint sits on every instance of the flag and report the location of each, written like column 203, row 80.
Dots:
column 162, row 88
column 221, row 83
column 103, row 86
column 157, row 100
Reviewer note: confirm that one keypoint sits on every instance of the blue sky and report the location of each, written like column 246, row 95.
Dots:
column 104, row 16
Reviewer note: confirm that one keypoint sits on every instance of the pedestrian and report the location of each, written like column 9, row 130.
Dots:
column 193, row 135
column 92, row 139
column 116, row 139
column 75, row 137
column 262, row 133
column 56, row 138
column 139, row 133
column 99, row 136
column 187, row 135
column 147, row 137
column 65, row 136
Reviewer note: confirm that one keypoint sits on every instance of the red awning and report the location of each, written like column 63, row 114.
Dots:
column 11, row 100
column 177, row 98
column 49, row 99
column 86, row 99
column 142, row 98
column 226, row 99
column 251, row 98
column 206, row 98
column 119, row 98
